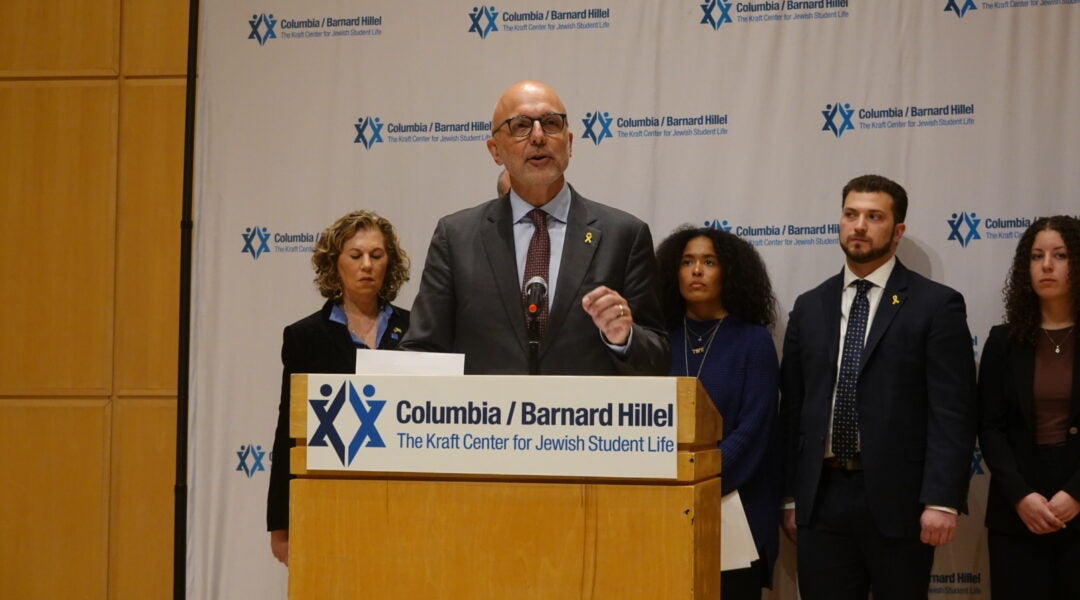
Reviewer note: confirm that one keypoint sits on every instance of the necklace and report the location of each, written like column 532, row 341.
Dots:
column 700, row 336
column 1057, row 345
column 703, row 350
column 358, row 328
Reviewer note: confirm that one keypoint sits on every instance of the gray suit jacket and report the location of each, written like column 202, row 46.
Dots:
column 470, row 295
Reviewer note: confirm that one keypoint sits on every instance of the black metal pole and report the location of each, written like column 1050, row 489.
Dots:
column 534, row 358
column 180, row 488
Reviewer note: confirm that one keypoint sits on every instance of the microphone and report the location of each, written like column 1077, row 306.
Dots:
column 535, row 294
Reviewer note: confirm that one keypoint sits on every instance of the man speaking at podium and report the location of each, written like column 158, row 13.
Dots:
column 599, row 316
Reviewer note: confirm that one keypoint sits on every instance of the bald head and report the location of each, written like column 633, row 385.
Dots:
column 524, row 94
column 535, row 160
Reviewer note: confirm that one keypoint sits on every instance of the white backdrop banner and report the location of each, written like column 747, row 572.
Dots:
column 746, row 116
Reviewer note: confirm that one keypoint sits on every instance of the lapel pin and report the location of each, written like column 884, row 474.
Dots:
column 895, row 300
column 588, row 237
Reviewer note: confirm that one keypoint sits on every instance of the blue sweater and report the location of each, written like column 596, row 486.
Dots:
column 741, row 375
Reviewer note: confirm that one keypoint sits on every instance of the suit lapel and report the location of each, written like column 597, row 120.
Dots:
column 582, row 239
column 831, row 309
column 1025, row 382
column 343, row 344
column 497, row 239
column 892, row 301
column 1074, row 411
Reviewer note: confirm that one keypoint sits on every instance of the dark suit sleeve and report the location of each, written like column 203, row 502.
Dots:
column 1072, row 485
column 792, row 392
column 277, row 500
column 994, row 419
column 431, row 323
column 951, row 406
column 650, row 350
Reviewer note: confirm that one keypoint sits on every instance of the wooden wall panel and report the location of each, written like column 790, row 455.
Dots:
column 141, row 498
column 148, row 235
column 53, row 473
column 59, row 37
column 57, row 193
column 155, row 37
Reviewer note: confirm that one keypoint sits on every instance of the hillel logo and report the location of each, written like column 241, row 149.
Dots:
column 977, row 465
column 593, row 119
column 327, row 412
column 716, row 13
column 837, row 110
column 960, row 221
column 252, row 235
column 262, row 28
column 368, row 131
column 717, row 224
column 960, row 10
column 250, row 459
column 483, row 20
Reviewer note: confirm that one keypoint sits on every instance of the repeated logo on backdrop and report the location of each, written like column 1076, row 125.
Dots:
column 484, row 20
column 841, row 117
column 960, row 8
column 367, row 131
column 256, row 241
column 264, row 27
column 781, row 234
column 600, row 125
column 978, row 467
column 259, row 240
column 964, row 227
column 597, row 126
column 250, row 459
column 967, row 227
column 837, row 118
column 716, row 13
column 722, row 225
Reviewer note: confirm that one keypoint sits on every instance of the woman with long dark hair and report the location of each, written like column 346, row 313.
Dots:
column 1029, row 394
column 719, row 306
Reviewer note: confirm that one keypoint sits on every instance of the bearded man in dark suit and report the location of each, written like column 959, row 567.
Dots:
column 879, row 411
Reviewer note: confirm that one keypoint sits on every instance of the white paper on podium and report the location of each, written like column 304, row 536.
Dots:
column 395, row 362
column 737, row 549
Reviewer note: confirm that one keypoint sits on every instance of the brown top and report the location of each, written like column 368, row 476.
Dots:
column 1054, row 352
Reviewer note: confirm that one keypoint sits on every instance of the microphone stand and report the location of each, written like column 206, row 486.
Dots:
column 534, row 344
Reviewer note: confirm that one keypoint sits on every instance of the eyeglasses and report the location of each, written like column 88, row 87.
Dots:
column 522, row 125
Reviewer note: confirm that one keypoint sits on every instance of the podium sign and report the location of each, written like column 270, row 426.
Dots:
column 493, row 425
column 492, row 487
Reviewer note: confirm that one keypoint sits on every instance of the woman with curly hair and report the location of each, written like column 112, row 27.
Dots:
column 719, row 305
column 1029, row 394
column 359, row 268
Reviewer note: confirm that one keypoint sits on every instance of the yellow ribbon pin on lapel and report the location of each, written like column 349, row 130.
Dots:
column 895, row 300
column 588, row 237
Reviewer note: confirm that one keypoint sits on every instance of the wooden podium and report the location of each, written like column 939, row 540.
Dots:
column 420, row 535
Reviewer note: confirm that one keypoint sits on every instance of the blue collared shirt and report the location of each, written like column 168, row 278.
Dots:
column 337, row 315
